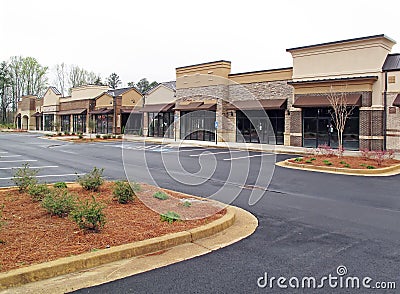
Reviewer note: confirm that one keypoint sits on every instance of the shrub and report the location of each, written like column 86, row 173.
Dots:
column 72, row 134
column 325, row 150
column 342, row 162
column 347, row 165
column 312, row 159
column 93, row 180
column 327, row 162
column 59, row 203
column 160, row 195
column 60, row 185
column 66, row 133
column 114, row 136
column 59, row 134
column 89, row 215
column 105, row 137
column 170, row 217
column 308, row 161
column 370, row 167
column 187, row 203
column 123, row 192
column 24, row 177
column 119, row 137
column 339, row 152
column 80, row 136
column 38, row 191
column 366, row 153
column 298, row 159
column 98, row 136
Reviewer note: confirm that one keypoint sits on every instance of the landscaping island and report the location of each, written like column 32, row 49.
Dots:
column 33, row 232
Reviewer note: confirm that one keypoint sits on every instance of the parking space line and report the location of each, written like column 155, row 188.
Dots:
column 3, row 152
column 22, row 160
column 212, row 153
column 8, row 156
column 196, row 149
column 247, row 156
column 15, row 167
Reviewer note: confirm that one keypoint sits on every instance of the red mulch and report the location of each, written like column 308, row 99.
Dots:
column 352, row 161
column 32, row 236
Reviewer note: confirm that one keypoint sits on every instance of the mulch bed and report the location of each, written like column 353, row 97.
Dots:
column 352, row 162
column 30, row 235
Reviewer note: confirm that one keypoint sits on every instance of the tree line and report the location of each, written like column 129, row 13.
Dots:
column 21, row 76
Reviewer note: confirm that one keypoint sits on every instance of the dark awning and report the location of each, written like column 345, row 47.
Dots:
column 207, row 106
column 128, row 110
column 102, row 111
column 323, row 101
column 157, row 107
column 396, row 101
column 268, row 104
column 190, row 106
column 37, row 114
column 72, row 111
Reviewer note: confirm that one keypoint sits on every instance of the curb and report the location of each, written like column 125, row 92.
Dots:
column 384, row 171
column 89, row 260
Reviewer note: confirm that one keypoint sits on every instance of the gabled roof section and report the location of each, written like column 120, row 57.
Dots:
column 392, row 62
column 170, row 85
column 55, row 90
column 119, row 92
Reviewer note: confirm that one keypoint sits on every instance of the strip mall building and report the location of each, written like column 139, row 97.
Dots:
column 207, row 99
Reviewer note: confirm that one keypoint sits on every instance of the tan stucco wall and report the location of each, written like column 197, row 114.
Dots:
column 85, row 92
column 50, row 98
column 132, row 98
column 201, row 75
column 352, row 58
column 161, row 95
column 394, row 87
column 262, row 76
column 104, row 101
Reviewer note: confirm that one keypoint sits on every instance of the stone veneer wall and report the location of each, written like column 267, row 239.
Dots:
column 393, row 124
column 236, row 92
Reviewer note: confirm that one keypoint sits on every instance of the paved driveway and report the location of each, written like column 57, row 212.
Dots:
column 309, row 223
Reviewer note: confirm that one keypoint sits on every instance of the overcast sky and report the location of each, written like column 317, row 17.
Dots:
column 150, row 39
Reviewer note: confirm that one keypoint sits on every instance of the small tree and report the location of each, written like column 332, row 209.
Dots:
column 91, row 127
column 341, row 110
column 113, row 80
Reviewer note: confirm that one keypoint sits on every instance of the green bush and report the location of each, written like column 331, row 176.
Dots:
column 66, row 133
column 342, row 162
column 24, row 177
column 93, row 180
column 119, row 137
column 98, row 136
column 187, row 203
column 60, row 185
column 123, row 192
column 80, row 136
column 308, row 161
column 59, row 134
column 160, row 195
column 347, row 165
column 59, row 202
column 38, row 191
column 298, row 159
column 312, row 159
column 89, row 215
column 170, row 217
column 370, row 167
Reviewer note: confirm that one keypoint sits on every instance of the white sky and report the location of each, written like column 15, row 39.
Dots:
column 150, row 39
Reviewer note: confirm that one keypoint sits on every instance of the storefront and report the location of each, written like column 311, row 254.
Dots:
column 160, row 120
column 38, row 121
column 318, row 127
column 48, row 120
column 131, row 122
column 79, row 123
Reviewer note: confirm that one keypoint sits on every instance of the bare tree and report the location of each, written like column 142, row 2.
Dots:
column 341, row 111
column 77, row 76
column 62, row 77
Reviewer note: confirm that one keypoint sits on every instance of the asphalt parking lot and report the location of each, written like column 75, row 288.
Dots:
column 309, row 223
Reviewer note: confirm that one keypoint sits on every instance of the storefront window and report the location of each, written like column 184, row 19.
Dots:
column 132, row 123
column 65, row 123
column 257, row 126
column 198, row 125
column 48, row 122
column 79, row 123
column 104, row 123
column 318, row 129
column 161, row 124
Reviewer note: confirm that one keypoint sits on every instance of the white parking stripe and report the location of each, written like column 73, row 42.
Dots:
column 248, row 156
column 3, row 152
column 7, row 156
column 25, row 160
column 211, row 153
column 47, row 176
column 196, row 149
column 15, row 167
